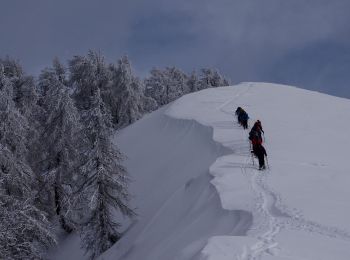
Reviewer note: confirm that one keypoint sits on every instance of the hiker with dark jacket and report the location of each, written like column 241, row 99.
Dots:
column 260, row 152
column 243, row 118
column 238, row 110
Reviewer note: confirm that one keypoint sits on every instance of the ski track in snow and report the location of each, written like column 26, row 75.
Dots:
column 271, row 216
column 276, row 216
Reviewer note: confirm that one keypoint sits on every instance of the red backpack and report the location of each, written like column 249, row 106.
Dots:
column 255, row 138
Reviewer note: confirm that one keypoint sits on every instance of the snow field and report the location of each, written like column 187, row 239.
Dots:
column 179, row 210
column 306, row 162
column 198, row 195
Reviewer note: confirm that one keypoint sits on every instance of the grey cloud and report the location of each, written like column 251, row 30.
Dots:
column 246, row 39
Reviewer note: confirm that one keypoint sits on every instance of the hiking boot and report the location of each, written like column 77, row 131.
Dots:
column 262, row 167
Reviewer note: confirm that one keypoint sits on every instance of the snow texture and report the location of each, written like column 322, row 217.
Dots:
column 199, row 196
column 300, row 202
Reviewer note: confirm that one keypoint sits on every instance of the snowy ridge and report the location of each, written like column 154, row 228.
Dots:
column 198, row 195
column 235, row 190
column 239, row 185
column 175, row 201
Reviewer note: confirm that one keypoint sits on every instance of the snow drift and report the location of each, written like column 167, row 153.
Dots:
column 199, row 196
column 178, row 207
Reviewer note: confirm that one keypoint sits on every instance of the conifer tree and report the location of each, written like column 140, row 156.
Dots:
column 73, row 172
column 166, row 85
column 13, row 125
column 24, row 89
column 155, row 86
column 87, row 73
column 61, row 142
column 176, row 83
column 103, row 186
column 193, row 82
column 211, row 78
column 24, row 229
column 127, row 100
column 25, row 232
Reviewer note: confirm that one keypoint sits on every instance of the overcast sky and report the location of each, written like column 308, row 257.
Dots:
column 299, row 42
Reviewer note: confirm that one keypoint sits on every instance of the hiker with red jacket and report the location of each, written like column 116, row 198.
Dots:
column 257, row 147
column 255, row 134
column 259, row 126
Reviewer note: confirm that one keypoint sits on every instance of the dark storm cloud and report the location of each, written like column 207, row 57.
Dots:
column 300, row 42
column 35, row 31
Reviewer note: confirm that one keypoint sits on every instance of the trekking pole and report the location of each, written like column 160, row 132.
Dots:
column 251, row 152
column 267, row 162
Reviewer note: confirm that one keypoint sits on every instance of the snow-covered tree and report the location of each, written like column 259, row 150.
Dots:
column 103, row 188
column 24, row 90
column 55, row 74
column 155, row 86
column 166, row 85
column 125, row 96
column 73, row 172
column 177, row 86
column 193, row 82
column 16, row 177
column 87, row 73
column 13, row 125
column 149, row 103
column 24, row 95
column 64, row 143
column 25, row 231
column 60, row 143
column 211, row 78
column 60, row 71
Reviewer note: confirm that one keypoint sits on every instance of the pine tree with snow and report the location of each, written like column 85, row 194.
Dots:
column 24, row 96
column 103, row 185
column 24, row 89
column 59, row 70
column 166, row 85
column 13, row 125
column 176, row 85
column 211, row 78
column 155, row 86
column 61, row 143
column 50, row 76
column 125, row 96
column 87, row 73
column 25, row 230
column 193, row 82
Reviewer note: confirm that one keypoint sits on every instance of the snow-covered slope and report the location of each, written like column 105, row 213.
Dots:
column 178, row 208
column 199, row 197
